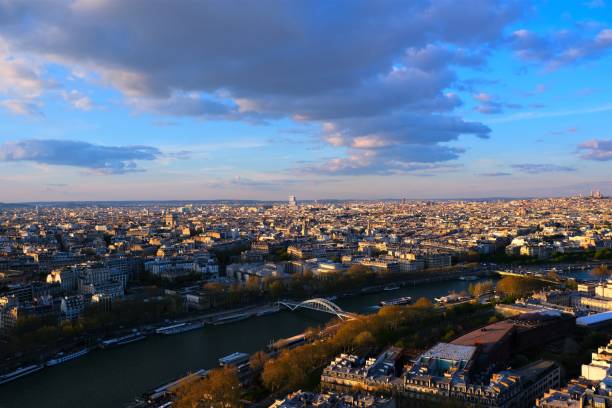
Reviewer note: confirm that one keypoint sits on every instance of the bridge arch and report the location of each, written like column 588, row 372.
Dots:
column 320, row 304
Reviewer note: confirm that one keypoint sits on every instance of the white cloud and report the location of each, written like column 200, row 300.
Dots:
column 78, row 100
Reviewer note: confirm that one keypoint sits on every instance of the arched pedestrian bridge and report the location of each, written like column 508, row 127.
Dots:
column 320, row 305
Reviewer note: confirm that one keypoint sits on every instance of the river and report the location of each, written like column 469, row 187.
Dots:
column 112, row 378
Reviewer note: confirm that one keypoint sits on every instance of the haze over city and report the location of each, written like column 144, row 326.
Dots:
column 115, row 100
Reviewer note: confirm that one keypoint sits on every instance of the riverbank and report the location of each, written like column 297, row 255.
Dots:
column 92, row 340
column 261, row 309
column 124, row 372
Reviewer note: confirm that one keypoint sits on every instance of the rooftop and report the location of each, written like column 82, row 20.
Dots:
column 448, row 351
column 486, row 336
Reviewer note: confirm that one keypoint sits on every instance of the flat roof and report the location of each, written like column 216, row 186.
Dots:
column 594, row 319
column 486, row 336
column 453, row 352
column 534, row 369
column 233, row 358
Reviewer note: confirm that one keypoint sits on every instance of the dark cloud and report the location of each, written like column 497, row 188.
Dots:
column 409, row 159
column 541, row 168
column 399, row 129
column 97, row 158
column 365, row 71
column 392, row 144
column 560, row 48
column 294, row 48
column 496, row 174
column 186, row 105
column 600, row 150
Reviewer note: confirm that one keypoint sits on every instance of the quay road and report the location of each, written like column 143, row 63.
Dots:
column 112, row 378
column 580, row 271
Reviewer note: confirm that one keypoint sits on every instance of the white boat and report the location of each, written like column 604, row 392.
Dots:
column 391, row 287
column 231, row 319
column 451, row 298
column 119, row 341
column 468, row 278
column 405, row 300
column 62, row 358
column 20, row 372
column 179, row 328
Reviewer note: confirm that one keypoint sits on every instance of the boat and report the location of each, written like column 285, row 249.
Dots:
column 404, row 300
column 62, row 358
column 468, row 278
column 231, row 319
column 179, row 328
column 20, row 372
column 452, row 298
column 119, row 341
column 391, row 287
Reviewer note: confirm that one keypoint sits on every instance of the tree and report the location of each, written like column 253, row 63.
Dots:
column 571, row 284
column 359, row 274
column 258, row 360
column 602, row 272
column 480, row 288
column 423, row 303
column 276, row 289
column 254, row 283
column 365, row 338
column 449, row 335
column 220, row 388
column 518, row 286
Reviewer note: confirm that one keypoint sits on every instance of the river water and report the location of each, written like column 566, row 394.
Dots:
column 112, row 378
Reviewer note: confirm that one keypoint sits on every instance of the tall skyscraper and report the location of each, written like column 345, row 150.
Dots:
column 292, row 202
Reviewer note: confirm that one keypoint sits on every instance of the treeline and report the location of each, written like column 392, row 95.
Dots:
column 598, row 255
column 37, row 332
column 514, row 287
column 300, row 285
column 584, row 256
column 481, row 288
column 305, row 285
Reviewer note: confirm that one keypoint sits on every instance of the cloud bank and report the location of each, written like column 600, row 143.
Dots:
column 375, row 76
column 96, row 158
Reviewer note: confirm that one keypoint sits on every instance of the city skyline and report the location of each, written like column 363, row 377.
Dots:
column 319, row 100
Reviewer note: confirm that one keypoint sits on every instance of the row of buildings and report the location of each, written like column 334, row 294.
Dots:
column 471, row 370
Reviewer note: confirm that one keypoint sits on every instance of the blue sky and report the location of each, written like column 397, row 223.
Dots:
column 113, row 100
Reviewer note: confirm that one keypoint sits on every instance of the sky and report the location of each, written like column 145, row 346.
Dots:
column 180, row 100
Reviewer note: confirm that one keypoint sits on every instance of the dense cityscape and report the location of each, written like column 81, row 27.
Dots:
column 305, row 204
column 80, row 279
